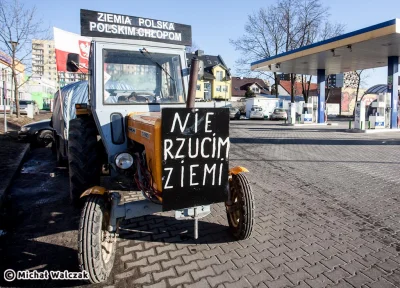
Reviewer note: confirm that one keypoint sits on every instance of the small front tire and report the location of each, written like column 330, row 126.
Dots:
column 240, row 213
column 44, row 138
column 97, row 246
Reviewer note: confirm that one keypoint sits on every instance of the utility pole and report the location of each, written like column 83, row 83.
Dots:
column 14, row 76
column 4, row 74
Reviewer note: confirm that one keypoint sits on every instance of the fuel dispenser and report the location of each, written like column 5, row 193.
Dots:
column 380, row 116
column 292, row 113
column 359, row 119
column 307, row 113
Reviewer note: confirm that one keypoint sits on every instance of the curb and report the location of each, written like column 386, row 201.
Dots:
column 17, row 168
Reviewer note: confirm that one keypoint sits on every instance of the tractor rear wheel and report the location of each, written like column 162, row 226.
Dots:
column 96, row 246
column 241, row 210
column 83, row 159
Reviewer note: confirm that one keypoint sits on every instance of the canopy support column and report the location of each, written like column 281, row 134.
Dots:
column 393, row 88
column 321, row 95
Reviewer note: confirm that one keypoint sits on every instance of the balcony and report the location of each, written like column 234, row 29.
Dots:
column 37, row 52
column 37, row 46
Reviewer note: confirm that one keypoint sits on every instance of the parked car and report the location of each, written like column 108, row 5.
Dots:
column 279, row 114
column 234, row 113
column 38, row 133
column 23, row 107
column 257, row 112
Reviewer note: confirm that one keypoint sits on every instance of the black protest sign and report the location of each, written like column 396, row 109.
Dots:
column 110, row 25
column 195, row 154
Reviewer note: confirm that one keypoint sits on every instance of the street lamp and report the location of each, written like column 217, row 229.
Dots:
column 13, row 44
column 4, row 76
column 14, row 48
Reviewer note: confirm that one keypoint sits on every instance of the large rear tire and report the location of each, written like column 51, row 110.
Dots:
column 240, row 213
column 84, row 163
column 97, row 246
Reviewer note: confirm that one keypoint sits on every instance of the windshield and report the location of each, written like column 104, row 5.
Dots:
column 132, row 77
column 24, row 102
column 279, row 110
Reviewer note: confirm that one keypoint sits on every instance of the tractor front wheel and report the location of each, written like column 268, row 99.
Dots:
column 97, row 246
column 240, row 211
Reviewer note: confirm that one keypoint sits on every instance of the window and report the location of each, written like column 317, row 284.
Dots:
column 218, row 88
column 236, row 88
column 198, row 87
column 146, row 83
column 255, row 89
column 225, row 88
column 220, row 75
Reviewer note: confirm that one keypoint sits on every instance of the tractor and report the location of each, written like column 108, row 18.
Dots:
column 146, row 135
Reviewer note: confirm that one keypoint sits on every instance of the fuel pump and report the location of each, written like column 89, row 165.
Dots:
column 381, row 112
column 359, row 120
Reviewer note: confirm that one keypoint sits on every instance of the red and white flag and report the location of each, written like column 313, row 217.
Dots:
column 67, row 42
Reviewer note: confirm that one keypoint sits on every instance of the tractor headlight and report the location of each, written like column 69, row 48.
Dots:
column 124, row 160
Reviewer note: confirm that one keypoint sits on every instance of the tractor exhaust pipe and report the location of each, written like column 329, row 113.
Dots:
column 194, row 72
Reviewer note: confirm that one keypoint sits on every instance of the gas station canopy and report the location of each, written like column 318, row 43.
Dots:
column 362, row 49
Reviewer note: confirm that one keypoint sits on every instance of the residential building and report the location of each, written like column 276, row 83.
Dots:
column 284, row 88
column 44, row 59
column 214, row 81
column 6, row 77
column 241, row 84
column 44, row 64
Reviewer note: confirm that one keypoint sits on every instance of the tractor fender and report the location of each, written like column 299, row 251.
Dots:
column 94, row 190
column 236, row 170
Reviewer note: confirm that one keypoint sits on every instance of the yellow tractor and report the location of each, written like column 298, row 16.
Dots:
column 145, row 134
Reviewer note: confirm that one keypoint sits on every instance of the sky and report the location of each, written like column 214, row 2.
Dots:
column 215, row 22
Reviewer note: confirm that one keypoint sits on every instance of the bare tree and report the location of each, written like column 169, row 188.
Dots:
column 284, row 26
column 354, row 79
column 18, row 26
column 193, row 48
column 305, row 86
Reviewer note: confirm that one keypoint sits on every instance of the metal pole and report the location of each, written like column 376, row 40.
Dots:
column 4, row 98
column 194, row 72
column 196, row 224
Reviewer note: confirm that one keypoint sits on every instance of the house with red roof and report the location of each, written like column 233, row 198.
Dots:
column 241, row 84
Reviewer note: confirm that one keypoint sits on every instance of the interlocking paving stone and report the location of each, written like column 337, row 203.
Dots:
column 327, row 215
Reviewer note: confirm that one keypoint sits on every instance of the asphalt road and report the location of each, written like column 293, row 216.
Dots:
column 327, row 212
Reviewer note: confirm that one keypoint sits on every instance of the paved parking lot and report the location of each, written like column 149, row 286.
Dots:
column 327, row 215
column 327, row 212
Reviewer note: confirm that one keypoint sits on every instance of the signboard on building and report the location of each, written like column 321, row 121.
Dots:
column 5, row 58
column 195, row 156
column 110, row 25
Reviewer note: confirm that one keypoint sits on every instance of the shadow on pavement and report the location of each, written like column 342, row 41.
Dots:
column 314, row 161
column 169, row 230
column 300, row 141
column 40, row 223
column 299, row 129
